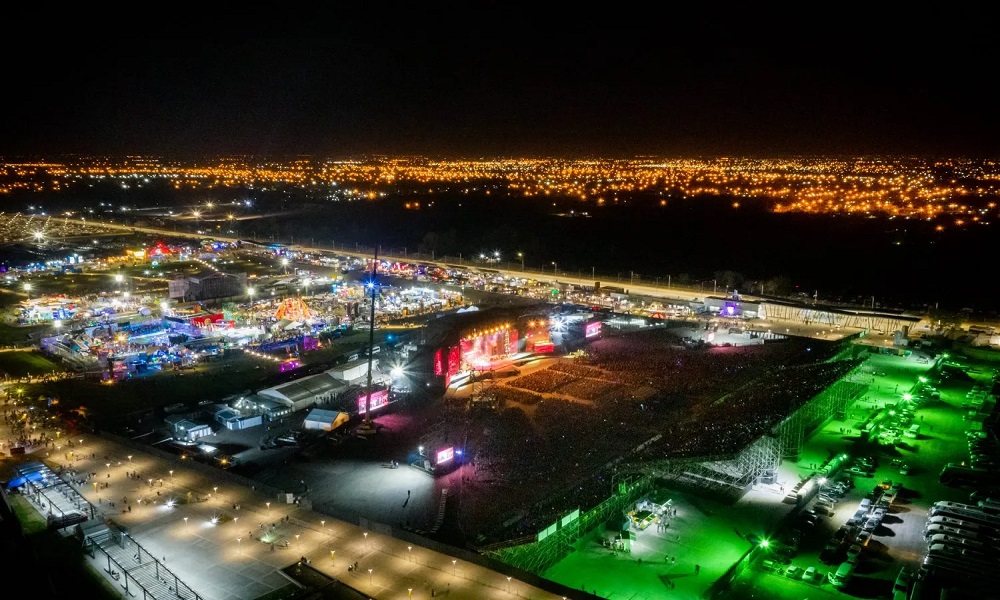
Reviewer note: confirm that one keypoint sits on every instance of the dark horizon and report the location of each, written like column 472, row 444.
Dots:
column 496, row 84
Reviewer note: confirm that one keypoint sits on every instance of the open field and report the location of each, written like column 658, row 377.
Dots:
column 26, row 364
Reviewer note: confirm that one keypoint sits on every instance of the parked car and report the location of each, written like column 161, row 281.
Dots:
column 793, row 571
column 811, row 575
column 853, row 552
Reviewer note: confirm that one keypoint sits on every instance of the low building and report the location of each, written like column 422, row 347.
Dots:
column 234, row 420
column 182, row 428
column 207, row 285
column 306, row 392
column 354, row 370
column 324, row 420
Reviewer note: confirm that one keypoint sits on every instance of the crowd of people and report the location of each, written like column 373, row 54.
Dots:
column 704, row 403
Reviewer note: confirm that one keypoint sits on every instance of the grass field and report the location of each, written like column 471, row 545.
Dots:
column 24, row 363
column 60, row 557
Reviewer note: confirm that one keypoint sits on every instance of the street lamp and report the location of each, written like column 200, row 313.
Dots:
column 454, row 567
column 333, row 556
column 297, row 540
column 369, row 576
column 410, row 550
column 239, row 544
column 366, row 540
column 555, row 268
column 284, row 265
column 268, row 507
column 185, row 523
column 521, row 256
column 508, row 583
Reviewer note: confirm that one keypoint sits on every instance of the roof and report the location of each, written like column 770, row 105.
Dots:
column 323, row 415
column 307, row 387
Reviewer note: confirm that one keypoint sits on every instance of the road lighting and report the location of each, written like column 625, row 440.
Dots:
column 410, row 550
column 508, row 584
column 521, row 256
column 171, row 475
column 284, row 265
column 297, row 540
column 185, row 523
column 555, row 268
column 454, row 567
column 369, row 576
column 268, row 507
column 333, row 556
column 239, row 542
column 366, row 540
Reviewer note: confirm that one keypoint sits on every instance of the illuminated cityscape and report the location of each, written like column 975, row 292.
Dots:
column 947, row 193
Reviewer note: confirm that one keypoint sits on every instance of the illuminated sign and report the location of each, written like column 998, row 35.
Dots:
column 379, row 399
column 445, row 455
column 592, row 329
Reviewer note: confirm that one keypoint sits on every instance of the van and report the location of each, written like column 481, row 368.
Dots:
column 842, row 576
column 913, row 431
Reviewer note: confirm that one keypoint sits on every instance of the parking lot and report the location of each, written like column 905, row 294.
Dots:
column 872, row 513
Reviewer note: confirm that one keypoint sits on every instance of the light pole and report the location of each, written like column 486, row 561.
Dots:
column 410, row 550
column 508, row 583
column 297, row 540
column 366, row 540
column 284, row 265
column 333, row 556
column 239, row 545
column 369, row 576
column 186, row 524
column 555, row 268
column 454, row 567
column 521, row 256
column 268, row 508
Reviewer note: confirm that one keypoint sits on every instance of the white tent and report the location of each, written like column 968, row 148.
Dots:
column 325, row 420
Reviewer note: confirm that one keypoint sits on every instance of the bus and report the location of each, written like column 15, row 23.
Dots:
column 969, row 516
column 958, row 475
column 950, row 568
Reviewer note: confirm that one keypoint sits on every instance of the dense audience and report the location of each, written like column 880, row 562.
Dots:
column 643, row 391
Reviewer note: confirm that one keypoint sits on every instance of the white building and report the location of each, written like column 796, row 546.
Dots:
column 306, row 392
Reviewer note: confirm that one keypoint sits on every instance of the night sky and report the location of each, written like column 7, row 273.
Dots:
column 493, row 81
